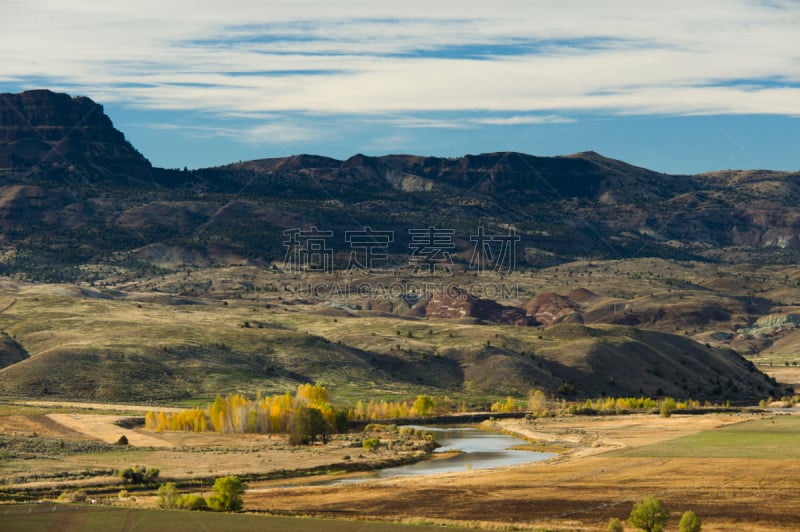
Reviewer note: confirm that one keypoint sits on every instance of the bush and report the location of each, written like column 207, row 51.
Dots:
column 123, row 440
column 649, row 515
column 139, row 475
column 615, row 525
column 227, row 494
column 689, row 522
column 167, row 496
column 72, row 496
column 191, row 502
column 407, row 432
column 130, row 474
column 371, row 444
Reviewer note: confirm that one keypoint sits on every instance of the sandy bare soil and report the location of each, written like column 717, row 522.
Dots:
column 592, row 435
column 581, row 489
column 101, row 406
column 27, row 425
column 103, row 428
column 178, row 455
column 242, row 455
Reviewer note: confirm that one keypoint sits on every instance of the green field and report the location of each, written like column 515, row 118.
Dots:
column 772, row 437
column 72, row 518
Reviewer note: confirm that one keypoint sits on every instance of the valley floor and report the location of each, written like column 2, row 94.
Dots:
column 737, row 471
column 615, row 462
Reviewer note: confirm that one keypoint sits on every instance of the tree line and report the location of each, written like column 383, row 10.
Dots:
column 309, row 413
column 306, row 415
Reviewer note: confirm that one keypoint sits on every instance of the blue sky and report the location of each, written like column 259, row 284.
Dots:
column 681, row 87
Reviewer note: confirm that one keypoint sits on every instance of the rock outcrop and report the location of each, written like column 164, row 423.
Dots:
column 550, row 308
column 455, row 303
column 40, row 128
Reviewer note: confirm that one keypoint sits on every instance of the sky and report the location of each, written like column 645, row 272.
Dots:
column 679, row 86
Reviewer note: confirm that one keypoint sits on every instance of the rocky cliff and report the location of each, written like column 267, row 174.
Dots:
column 44, row 131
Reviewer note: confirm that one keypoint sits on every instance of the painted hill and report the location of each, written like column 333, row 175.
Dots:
column 119, row 345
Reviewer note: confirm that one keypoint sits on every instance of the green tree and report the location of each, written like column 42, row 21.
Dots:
column 340, row 421
column 167, row 495
column 227, row 494
column 424, row 405
column 689, row 522
column 307, row 424
column 650, row 515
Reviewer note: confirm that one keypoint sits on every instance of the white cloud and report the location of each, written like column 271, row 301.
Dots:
column 615, row 57
column 272, row 133
column 523, row 120
column 468, row 122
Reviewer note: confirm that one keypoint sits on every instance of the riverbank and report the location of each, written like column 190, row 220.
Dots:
column 720, row 465
column 612, row 463
column 42, row 457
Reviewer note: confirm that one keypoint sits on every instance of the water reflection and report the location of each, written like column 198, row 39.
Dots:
column 479, row 450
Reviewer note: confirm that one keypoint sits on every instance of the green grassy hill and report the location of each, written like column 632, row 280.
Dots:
column 120, row 345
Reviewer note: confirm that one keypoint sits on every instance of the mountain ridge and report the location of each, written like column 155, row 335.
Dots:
column 98, row 198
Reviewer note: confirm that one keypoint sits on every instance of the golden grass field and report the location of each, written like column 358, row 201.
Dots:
column 737, row 471
column 182, row 456
column 616, row 462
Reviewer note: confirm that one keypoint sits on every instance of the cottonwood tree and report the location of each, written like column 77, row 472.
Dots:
column 424, row 405
column 308, row 423
column 538, row 403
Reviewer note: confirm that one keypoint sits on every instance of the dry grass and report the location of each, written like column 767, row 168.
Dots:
column 611, row 463
column 178, row 455
column 585, row 489
column 182, row 336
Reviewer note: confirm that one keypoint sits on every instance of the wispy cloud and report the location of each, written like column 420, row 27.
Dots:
column 524, row 120
column 271, row 133
column 535, row 62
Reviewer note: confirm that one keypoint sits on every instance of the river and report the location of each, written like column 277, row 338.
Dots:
column 479, row 450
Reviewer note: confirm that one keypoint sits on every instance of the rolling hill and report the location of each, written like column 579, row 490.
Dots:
column 130, row 281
